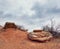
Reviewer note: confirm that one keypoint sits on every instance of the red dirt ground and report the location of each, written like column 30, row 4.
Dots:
column 17, row 39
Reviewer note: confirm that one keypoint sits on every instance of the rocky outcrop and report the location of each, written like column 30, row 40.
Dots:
column 37, row 30
column 40, row 36
column 9, row 25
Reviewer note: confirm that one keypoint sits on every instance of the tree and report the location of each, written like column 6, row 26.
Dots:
column 52, row 24
column 46, row 28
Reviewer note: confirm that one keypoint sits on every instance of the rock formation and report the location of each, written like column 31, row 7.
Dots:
column 40, row 36
column 9, row 25
column 37, row 30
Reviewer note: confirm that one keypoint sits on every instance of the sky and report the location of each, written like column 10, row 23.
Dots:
column 32, row 14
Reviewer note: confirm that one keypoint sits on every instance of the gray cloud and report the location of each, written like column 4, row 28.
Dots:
column 18, row 14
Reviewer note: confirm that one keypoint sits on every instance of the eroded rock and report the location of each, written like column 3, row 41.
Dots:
column 9, row 25
column 40, row 36
column 37, row 30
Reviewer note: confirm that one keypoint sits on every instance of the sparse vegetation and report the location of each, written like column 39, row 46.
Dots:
column 21, row 28
column 53, row 30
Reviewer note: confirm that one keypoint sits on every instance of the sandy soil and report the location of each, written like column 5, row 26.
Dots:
column 16, row 39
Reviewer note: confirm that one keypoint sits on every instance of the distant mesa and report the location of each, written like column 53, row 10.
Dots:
column 14, row 26
column 9, row 25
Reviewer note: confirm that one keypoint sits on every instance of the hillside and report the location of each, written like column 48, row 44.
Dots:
column 12, row 38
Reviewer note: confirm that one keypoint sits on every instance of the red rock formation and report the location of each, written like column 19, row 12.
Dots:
column 37, row 30
column 10, row 25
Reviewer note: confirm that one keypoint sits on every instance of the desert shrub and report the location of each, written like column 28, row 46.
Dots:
column 54, row 31
column 21, row 28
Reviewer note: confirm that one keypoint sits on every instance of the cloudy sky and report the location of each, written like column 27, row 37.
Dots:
column 32, row 14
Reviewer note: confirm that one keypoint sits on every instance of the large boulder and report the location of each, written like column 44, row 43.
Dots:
column 9, row 25
column 40, row 36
